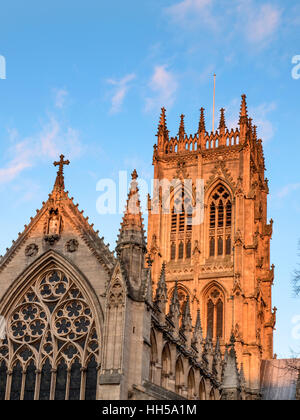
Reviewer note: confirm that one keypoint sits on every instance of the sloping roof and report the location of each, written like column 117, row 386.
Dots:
column 279, row 379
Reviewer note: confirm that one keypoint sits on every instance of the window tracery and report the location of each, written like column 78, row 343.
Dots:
column 181, row 226
column 215, row 314
column 220, row 223
column 52, row 344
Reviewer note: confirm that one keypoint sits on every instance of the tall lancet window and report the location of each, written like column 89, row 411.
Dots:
column 215, row 314
column 220, row 223
column 181, row 226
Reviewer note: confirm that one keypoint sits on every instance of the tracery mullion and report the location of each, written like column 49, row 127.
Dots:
column 53, row 384
column 8, row 385
column 82, row 385
column 23, row 385
column 215, row 321
column 37, row 385
column 68, row 383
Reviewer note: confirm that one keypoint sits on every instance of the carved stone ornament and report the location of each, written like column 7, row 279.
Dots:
column 31, row 250
column 72, row 245
column 51, row 239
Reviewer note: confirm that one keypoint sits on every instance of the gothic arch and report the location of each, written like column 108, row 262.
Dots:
column 214, row 283
column 178, row 188
column 214, row 305
column 53, row 333
column 46, row 260
column 191, row 384
column 179, row 376
column 166, row 363
column 202, row 390
column 181, row 208
column 219, row 220
column 213, row 183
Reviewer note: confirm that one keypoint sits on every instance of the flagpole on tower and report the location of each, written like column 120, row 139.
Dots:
column 213, row 125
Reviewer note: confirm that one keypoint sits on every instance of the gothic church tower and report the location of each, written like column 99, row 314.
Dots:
column 221, row 265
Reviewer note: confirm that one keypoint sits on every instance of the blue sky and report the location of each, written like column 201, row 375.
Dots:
column 88, row 79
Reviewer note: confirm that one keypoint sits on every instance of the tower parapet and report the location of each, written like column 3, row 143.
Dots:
column 204, row 141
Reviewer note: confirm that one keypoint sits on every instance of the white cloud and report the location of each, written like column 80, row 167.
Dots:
column 52, row 140
column 122, row 87
column 287, row 190
column 253, row 19
column 261, row 22
column 12, row 171
column 164, row 86
column 60, row 97
column 191, row 10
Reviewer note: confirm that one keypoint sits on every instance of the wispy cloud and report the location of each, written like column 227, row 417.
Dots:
column 163, row 85
column 288, row 189
column 60, row 97
column 257, row 21
column 52, row 140
column 121, row 89
column 190, row 11
column 260, row 22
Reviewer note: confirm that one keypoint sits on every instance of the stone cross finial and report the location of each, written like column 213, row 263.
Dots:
column 59, row 183
column 61, row 164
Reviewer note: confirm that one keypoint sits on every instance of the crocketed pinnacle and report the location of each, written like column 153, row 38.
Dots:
column 181, row 132
column 217, row 347
column 162, row 290
column 187, row 310
column 198, row 326
column 162, row 126
column 243, row 111
column 133, row 220
column 202, row 128
column 175, row 304
column 222, row 125
column 198, row 332
column 231, row 376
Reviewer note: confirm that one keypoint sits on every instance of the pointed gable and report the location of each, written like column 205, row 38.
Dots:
column 58, row 226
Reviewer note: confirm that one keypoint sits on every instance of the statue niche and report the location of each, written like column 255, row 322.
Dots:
column 53, row 226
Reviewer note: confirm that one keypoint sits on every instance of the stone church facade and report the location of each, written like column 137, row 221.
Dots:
column 188, row 316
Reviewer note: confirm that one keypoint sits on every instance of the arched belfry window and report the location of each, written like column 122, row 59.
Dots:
column 52, row 343
column 220, row 222
column 215, row 314
column 181, row 226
